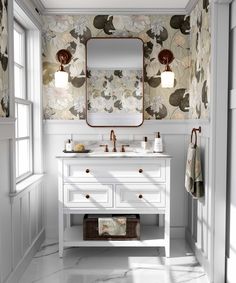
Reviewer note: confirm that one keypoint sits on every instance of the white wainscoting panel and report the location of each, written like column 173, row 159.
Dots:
column 5, row 212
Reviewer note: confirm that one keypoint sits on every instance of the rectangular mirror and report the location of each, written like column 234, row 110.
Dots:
column 114, row 82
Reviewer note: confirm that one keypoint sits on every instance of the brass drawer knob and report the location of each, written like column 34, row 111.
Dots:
column 140, row 196
column 140, row 170
column 87, row 196
column 87, row 170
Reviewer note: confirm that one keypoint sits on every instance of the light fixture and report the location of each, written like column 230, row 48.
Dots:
column 61, row 76
column 167, row 76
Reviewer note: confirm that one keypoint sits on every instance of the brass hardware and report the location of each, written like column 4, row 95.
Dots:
column 140, row 170
column 106, row 147
column 123, row 147
column 87, row 196
column 113, row 138
column 87, row 170
column 140, row 196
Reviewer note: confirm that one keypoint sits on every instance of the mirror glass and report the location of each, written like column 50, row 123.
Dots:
column 114, row 82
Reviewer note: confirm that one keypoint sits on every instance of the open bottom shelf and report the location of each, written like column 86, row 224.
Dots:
column 151, row 236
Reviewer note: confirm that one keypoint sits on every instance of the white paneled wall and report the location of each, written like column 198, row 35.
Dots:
column 199, row 228
column 5, row 211
column 21, row 214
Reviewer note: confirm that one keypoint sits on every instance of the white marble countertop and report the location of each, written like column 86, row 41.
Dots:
column 128, row 154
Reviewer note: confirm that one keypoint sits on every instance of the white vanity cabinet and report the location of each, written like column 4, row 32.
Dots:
column 114, row 185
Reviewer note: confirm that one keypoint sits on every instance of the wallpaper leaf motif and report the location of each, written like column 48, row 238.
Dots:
column 200, row 57
column 156, row 31
column 4, row 88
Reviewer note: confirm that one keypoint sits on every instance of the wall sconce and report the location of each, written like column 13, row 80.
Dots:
column 61, row 76
column 167, row 76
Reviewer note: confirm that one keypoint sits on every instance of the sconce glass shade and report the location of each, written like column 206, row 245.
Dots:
column 167, row 79
column 61, row 79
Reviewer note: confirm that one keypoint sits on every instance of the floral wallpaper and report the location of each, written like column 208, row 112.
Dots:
column 4, row 92
column 115, row 91
column 157, row 32
column 200, row 46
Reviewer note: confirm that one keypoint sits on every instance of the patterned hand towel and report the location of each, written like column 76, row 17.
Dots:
column 193, row 174
column 112, row 226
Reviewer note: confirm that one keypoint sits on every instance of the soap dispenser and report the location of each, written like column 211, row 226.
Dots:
column 158, row 145
column 144, row 143
column 69, row 145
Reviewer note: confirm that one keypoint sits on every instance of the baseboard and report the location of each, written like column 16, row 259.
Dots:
column 26, row 259
column 202, row 259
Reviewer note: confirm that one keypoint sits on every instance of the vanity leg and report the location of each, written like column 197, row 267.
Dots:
column 167, row 235
column 61, row 232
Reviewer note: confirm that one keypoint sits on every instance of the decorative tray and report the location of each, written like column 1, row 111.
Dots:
column 73, row 151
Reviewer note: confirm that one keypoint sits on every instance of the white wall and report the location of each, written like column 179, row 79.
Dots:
column 231, row 231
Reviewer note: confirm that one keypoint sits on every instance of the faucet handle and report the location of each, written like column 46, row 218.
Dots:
column 123, row 147
column 106, row 147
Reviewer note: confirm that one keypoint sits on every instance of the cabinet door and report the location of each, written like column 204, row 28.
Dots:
column 140, row 195
column 88, row 195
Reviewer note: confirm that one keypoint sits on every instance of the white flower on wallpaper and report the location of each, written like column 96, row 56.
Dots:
column 58, row 99
column 133, row 23
column 59, row 23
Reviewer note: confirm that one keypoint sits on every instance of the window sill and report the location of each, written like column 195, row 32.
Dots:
column 25, row 184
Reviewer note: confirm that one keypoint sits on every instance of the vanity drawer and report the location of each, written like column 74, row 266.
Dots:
column 140, row 195
column 119, row 169
column 88, row 195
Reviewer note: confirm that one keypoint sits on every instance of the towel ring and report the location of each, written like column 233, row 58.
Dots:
column 194, row 130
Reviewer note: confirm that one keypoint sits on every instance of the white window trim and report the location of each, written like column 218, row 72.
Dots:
column 29, row 137
column 34, row 85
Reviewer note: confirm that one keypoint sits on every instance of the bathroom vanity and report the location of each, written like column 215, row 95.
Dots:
column 114, row 183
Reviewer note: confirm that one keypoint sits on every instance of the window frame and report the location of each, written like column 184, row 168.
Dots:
column 24, row 100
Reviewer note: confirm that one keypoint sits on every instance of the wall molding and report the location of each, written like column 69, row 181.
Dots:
column 167, row 127
column 26, row 259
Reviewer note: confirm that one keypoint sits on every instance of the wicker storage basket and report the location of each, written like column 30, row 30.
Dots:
column 90, row 228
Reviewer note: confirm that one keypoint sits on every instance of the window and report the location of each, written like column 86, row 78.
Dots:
column 23, row 107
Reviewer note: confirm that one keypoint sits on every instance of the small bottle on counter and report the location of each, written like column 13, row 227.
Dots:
column 144, row 143
column 69, row 145
column 158, row 145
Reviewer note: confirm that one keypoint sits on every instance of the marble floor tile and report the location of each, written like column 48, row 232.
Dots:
column 114, row 265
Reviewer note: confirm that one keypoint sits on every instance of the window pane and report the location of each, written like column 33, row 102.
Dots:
column 23, row 120
column 19, row 82
column 23, row 156
column 18, row 47
column 17, row 161
column 16, row 116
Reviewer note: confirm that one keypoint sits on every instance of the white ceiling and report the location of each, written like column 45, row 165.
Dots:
column 87, row 4
column 152, row 6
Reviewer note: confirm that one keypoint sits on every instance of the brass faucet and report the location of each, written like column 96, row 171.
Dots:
column 113, row 138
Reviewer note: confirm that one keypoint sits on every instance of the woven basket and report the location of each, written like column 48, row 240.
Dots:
column 90, row 228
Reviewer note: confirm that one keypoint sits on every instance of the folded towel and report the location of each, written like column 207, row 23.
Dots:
column 112, row 226
column 193, row 174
